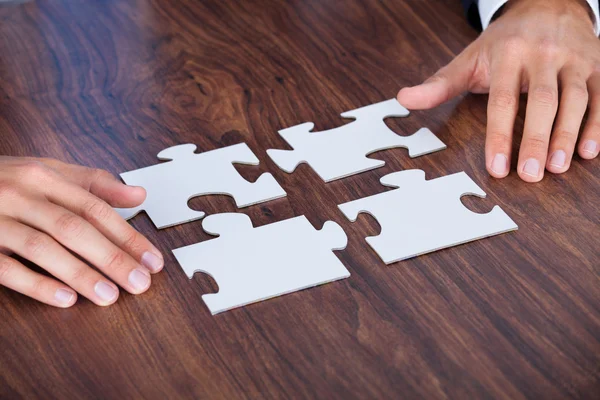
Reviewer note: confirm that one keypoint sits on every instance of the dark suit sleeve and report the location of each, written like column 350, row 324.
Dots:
column 472, row 13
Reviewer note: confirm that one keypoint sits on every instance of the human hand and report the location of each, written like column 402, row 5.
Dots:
column 54, row 214
column 536, row 46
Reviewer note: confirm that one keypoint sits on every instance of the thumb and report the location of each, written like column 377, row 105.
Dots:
column 447, row 83
column 105, row 186
column 100, row 183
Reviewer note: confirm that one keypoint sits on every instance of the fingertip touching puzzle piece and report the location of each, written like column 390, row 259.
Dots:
column 170, row 185
column 343, row 151
column 253, row 264
column 422, row 216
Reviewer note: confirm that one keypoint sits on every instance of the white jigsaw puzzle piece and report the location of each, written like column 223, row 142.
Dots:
column 254, row 264
column 423, row 216
column 169, row 186
column 343, row 151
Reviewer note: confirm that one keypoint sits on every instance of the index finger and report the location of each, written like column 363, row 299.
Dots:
column 100, row 183
column 447, row 83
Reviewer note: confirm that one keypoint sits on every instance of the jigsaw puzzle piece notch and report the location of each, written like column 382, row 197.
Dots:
column 353, row 209
column 402, row 179
column 463, row 185
column 163, row 219
column 227, row 224
column 250, row 193
column 236, row 154
column 468, row 187
column 128, row 213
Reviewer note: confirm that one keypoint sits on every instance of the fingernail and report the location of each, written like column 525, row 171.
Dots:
column 591, row 147
column 136, row 188
column 64, row 296
column 532, row 167
column 152, row 261
column 105, row 291
column 139, row 278
column 500, row 164
column 558, row 159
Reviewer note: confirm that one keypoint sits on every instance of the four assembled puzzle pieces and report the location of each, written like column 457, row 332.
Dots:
column 171, row 185
column 421, row 216
column 254, row 264
column 342, row 151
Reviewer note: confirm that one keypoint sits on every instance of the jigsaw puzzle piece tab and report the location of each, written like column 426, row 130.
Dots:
column 424, row 216
column 179, row 152
column 288, row 160
column 378, row 111
column 421, row 143
column 332, row 236
column 235, row 154
column 254, row 264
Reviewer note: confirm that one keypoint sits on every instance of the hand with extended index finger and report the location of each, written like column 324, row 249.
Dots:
column 49, row 210
column 546, row 48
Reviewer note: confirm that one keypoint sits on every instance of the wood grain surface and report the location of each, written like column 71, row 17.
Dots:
column 110, row 83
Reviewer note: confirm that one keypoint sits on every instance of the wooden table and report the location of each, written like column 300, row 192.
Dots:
column 111, row 83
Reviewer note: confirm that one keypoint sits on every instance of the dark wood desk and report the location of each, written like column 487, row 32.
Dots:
column 111, row 83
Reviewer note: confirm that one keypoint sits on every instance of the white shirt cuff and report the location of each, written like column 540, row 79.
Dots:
column 489, row 8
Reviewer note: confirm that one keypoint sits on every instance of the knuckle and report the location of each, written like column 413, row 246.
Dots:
column 36, row 243
column 593, row 126
column 514, row 46
column 98, row 174
column 582, row 63
column 566, row 134
column 115, row 261
column 96, row 210
column 578, row 91
column 548, row 49
column 39, row 285
column 498, row 139
column 9, row 191
column 6, row 266
column 535, row 144
column 35, row 171
column 131, row 240
column 77, row 274
column 504, row 100
column 438, row 76
column 70, row 225
column 546, row 95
